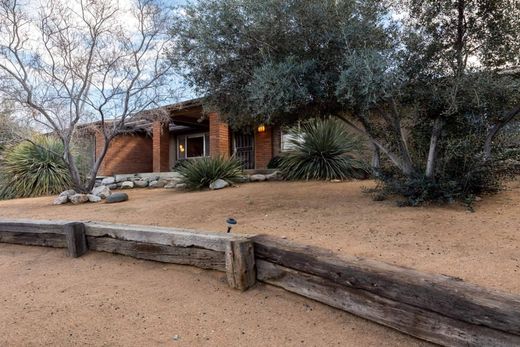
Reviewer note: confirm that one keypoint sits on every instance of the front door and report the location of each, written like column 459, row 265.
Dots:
column 244, row 149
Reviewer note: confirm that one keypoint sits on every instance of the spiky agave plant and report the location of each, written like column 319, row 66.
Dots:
column 200, row 173
column 323, row 149
column 34, row 168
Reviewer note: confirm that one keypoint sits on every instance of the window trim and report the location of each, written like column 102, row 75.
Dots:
column 185, row 143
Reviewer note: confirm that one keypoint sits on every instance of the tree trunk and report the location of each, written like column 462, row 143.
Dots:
column 91, row 180
column 73, row 169
column 376, row 161
column 495, row 129
column 432, row 153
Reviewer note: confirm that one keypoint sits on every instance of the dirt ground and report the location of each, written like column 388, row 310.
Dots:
column 102, row 299
column 481, row 247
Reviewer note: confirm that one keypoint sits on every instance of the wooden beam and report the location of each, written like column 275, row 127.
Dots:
column 161, row 236
column 203, row 258
column 447, row 296
column 412, row 320
column 76, row 240
column 240, row 264
column 24, row 225
column 34, row 239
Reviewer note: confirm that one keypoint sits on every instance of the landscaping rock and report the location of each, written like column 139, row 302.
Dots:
column 123, row 178
column 112, row 186
column 180, row 186
column 77, row 199
column 242, row 179
column 102, row 191
column 108, row 180
column 93, row 198
column 141, row 183
column 170, row 185
column 257, row 178
column 127, row 185
column 60, row 200
column 157, row 184
column 275, row 176
column 117, row 197
column 218, row 184
column 68, row 193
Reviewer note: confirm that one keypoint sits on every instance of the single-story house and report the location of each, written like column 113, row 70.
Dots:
column 156, row 145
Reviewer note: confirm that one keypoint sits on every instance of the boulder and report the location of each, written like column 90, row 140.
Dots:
column 127, row 185
column 117, row 197
column 141, row 183
column 108, row 180
column 275, row 176
column 218, row 184
column 112, row 186
column 77, row 199
column 180, row 186
column 241, row 179
column 67, row 193
column 157, row 184
column 61, row 199
column 123, row 178
column 93, row 198
column 257, row 178
column 170, row 185
column 102, row 191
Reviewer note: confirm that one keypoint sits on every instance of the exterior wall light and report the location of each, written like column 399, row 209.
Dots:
column 181, row 148
column 261, row 128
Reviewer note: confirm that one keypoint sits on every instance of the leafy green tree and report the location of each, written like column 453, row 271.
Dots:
column 416, row 77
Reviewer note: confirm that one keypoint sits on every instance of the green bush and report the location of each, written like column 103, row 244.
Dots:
column 200, row 173
column 323, row 150
column 34, row 169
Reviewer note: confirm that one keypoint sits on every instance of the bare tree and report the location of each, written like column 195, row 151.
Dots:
column 78, row 61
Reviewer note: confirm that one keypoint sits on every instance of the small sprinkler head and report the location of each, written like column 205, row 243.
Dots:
column 230, row 223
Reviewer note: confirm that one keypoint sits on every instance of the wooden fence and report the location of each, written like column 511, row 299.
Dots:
column 436, row 308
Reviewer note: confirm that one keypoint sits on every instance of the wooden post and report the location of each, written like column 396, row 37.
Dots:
column 240, row 264
column 76, row 240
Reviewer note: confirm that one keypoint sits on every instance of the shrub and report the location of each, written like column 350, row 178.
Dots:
column 200, row 173
column 34, row 169
column 323, row 150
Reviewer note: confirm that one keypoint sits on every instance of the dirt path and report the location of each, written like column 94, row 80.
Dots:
column 102, row 299
column 481, row 247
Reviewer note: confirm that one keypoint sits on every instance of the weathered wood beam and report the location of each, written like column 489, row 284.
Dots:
column 76, row 240
column 24, row 225
column 412, row 320
column 240, row 264
column 159, row 235
column 199, row 257
column 442, row 294
column 34, row 238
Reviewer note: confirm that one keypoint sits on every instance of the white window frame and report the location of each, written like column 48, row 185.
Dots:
column 185, row 143
column 285, row 133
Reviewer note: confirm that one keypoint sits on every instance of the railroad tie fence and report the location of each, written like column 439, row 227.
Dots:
column 435, row 308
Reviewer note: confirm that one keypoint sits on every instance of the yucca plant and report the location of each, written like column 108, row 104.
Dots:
column 200, row 173
column 323, row 150
column 34, row 168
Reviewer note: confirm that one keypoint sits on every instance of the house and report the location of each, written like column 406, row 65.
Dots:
column 156, row 144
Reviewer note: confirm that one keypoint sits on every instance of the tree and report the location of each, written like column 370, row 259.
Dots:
column 67, row 63
column 415, row 84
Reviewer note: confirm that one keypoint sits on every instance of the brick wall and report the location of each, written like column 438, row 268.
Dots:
column 277, row 140
column 219, row 137
column 263, row 148
column 126, row 154
column 161, row 147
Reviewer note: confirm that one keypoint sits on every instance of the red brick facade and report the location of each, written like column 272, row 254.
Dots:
column 126, row 154
column 142, row 153
column 219, row 137
column 161, row 147
column 263, row 148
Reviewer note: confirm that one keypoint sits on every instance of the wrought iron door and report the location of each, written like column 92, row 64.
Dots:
column 244, row 149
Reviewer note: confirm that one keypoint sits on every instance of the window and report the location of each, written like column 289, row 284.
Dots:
column 192, row 146
column 289, row 137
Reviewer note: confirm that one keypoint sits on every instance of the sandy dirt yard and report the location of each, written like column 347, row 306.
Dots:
column 481, row 247
column 100, row 299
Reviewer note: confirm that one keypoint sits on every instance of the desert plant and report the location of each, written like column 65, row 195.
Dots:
column 324, row 149
column 34, row 168
column 200, row 173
